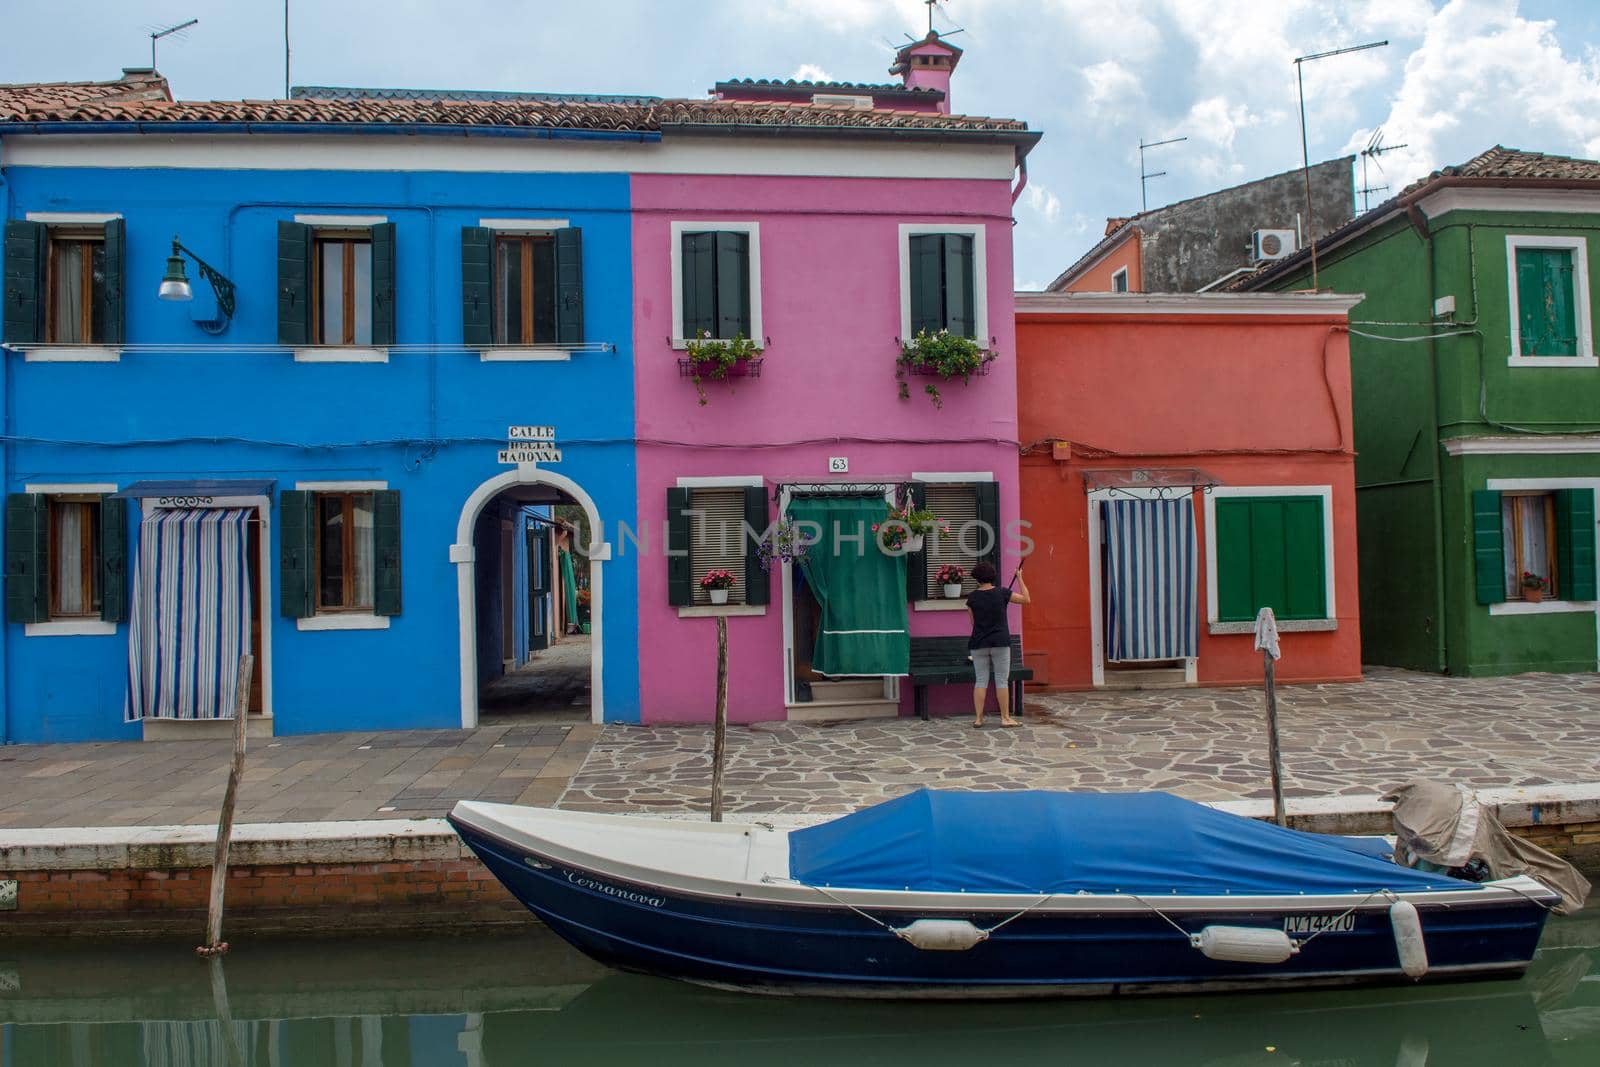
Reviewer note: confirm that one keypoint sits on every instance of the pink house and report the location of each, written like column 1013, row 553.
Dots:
column 828, row 249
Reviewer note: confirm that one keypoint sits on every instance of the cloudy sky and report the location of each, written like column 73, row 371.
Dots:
column 1095, row 75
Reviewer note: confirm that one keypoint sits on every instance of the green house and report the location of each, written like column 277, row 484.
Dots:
column 1477, row 412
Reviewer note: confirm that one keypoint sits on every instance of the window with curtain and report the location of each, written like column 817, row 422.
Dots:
column 74, row 557
column 525, row 288
column 344, row 539
column 1528, row 525
column 76, row 286
column 716, row 540
column 342, row 284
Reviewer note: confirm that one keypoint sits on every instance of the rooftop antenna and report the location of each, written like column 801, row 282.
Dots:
column 156, row 35
column 286, row 49
column 1144, row 175
column 1375, row 148
column 1305, row 153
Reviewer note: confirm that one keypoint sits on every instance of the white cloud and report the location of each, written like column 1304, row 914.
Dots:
column 1112, row 87
column 810, row 72
column 1042, row 201
column 1484, row 74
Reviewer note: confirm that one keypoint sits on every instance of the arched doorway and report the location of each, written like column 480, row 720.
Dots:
column 526, row 483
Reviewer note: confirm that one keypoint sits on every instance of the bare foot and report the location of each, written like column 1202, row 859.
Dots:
column 1009, row 722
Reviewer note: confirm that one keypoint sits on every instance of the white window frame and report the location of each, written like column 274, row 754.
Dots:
column 1547, row 607
column 711, row 611
column 678, row 229
column 70, row 627
column 341, row 620
column 1097, row 611
column 71, row 353
column 948, row 478
column 1120, row 272
column 341, row 353
column 524, row 355
column 1579, row 247
column 980, row 272
column 1330, row 619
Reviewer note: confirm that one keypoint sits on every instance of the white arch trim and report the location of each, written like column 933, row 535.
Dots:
column 462, row 555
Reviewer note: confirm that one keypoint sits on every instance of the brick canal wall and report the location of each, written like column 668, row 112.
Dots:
column 380, row 876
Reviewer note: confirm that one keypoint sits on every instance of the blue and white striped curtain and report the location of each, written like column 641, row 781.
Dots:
column 191, row 614
column 1150, row 579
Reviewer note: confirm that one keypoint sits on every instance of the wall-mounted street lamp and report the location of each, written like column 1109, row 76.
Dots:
column 175, row 286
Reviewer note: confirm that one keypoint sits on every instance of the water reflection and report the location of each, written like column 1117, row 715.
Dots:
column 528, row 999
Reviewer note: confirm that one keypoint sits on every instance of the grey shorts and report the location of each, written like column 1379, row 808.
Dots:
column 985, row 660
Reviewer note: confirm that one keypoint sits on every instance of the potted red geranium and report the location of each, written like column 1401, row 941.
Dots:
column 1532, row 587
column 716, row 584
column 950, row 576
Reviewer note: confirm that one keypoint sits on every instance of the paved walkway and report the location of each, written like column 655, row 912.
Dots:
column 1207, row 744
column 552, row 687
column 401, row 774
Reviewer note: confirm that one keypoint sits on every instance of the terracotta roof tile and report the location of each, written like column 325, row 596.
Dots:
column 1516, row 164
column 35, row 105
column 18, row 101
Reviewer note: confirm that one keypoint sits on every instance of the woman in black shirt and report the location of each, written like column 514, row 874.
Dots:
column 990, row 643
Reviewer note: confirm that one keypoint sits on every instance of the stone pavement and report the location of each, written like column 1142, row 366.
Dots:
column 554, row 685
column 400, row 774
column 1205, row 744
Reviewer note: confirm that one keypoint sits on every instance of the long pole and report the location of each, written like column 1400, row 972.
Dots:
column 719, row 736
column 1278, row 814
column 1305, row 152
column 214, row 945
column 286, row 49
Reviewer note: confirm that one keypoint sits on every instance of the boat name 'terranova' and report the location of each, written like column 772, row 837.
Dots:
column 1316, row 924
column 583, row 881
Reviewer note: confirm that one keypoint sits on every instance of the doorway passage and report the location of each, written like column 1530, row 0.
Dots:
column 534, row 654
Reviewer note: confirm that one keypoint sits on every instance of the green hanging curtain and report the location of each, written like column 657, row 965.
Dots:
column 862, row 590
column 569, row 584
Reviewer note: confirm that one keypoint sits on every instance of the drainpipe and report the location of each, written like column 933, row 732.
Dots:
column 1441, row 647
column 1022, row 179
column 6, row 361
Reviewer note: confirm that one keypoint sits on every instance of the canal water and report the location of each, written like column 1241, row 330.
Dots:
column 527, row 998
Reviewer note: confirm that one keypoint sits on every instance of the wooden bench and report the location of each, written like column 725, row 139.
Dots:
column 945, row 661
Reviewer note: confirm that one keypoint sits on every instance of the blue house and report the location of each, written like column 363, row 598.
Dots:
column 310, row 379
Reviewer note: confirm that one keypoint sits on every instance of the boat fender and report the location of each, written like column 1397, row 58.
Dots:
column 941, row 935
column 1244, row 944
column 1408, row 940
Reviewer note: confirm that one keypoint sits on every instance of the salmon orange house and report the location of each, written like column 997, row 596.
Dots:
column 1187, row 461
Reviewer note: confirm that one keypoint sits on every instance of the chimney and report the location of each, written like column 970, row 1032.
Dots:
column 141, row 83
column 928, row 64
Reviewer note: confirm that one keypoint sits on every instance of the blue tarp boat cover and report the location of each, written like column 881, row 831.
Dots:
column 1048, row 842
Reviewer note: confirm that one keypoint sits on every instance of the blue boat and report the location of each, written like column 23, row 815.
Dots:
column 1013, row 894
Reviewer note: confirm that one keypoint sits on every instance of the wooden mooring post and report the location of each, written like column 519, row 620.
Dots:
column 719, row 732
column 1267, row 642
column 214, row 945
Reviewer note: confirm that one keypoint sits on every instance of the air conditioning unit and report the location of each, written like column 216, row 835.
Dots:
column 1271, row 244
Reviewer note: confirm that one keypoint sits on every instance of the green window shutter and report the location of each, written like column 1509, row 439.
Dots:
column 1304, row 580
column 294, row 284
column 1559, row 285
column 960, row 317
column 1546, row 308
column 386, row 552
column 24, row 280
column 680, row 588
column 988, row 494
column 27, row 558
column 927, row 283
column 383, row 278
column 1575, row 532
column 1530, row 301
column 113, row 559
column 917, row 562
column 477, row 287
column 757, row 582
column 733, row 284
column 569, row 286
column 699, row 275
column 110, row 306
column 1235, row 596
column 296, row 554
column 1488, row 547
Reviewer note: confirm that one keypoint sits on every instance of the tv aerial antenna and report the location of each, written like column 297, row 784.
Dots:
column 936, row 5
column 1144, row 175
column 158, row 34
column 1374, row 150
